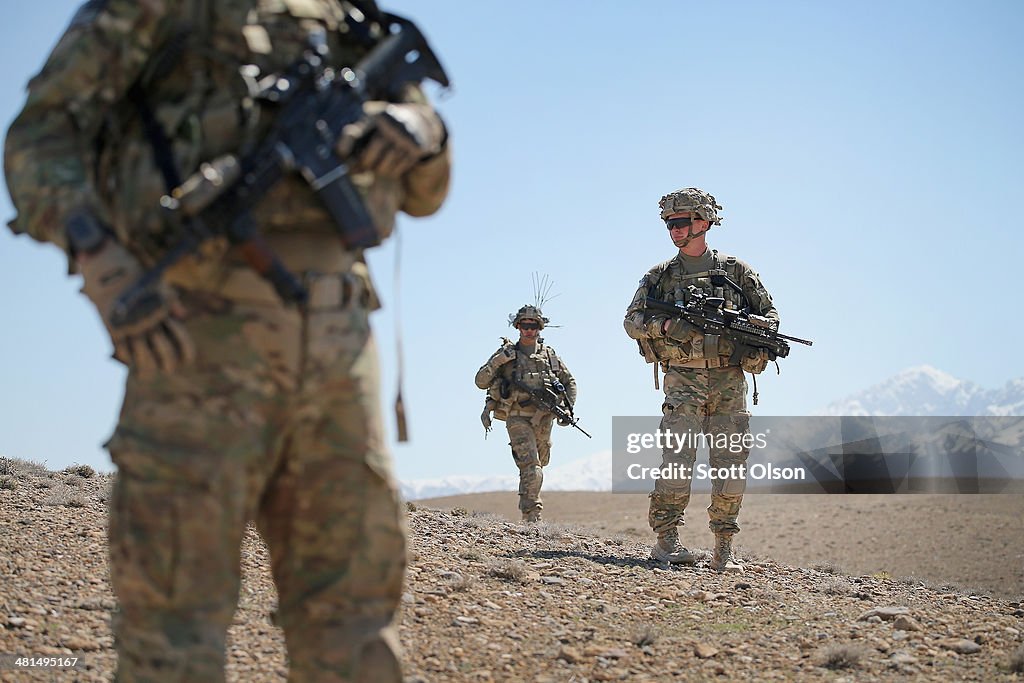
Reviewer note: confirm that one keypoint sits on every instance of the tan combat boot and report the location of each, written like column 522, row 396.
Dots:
column 669, row 549
column 722, row 560
column 532, row 517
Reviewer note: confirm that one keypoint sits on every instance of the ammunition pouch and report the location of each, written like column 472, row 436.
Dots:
column 693, row 354
column 499, row 394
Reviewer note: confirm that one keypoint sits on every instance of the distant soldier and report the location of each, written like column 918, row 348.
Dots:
column 238, row 406
column 705, row 390
column 508, row 376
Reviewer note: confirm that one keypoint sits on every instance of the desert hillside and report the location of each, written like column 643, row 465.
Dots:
column 492, row 600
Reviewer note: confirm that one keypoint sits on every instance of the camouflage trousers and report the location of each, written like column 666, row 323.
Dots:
column 530, row 439
column 712, row 401
column 277, row 422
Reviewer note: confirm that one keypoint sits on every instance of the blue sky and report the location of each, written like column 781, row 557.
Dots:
column 867, row 156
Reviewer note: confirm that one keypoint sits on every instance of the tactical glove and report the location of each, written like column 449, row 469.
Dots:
column 564, row 421
column 392, row 138
column 754, row 361
column 682, row 330
column 485, row 419
column 152, row 338
column 505, row 354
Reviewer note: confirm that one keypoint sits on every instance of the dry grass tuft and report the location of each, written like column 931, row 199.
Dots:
column 646, row 635
column 841, row 656
column 83, row 471
column 508, row 570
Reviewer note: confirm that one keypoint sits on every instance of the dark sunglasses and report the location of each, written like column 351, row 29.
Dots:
column 678, row 222
column 529, row 326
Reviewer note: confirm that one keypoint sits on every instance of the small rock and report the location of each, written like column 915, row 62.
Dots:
column 961, row 646
column 704, row 650
column 81, row 644
column 884, row 613
column 902, row 659
column 743, row 585
column 905, row 623
column 569, row 654
column 467, row 621
column 16, row 622
column 553, row 580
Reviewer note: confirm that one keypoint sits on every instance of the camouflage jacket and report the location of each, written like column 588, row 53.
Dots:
column 669, row 281
column 79, row 143
column 535, row 370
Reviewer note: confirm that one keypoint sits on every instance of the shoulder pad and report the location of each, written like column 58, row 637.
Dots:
column 656, row 272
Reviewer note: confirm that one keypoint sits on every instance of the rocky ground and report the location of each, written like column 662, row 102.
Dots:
column 974, row 541
column 488, row 599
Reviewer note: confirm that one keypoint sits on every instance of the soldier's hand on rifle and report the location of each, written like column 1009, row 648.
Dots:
column 564, row 421
column 505, row 354
column 754, row 361
column 392, row 138
column 680, row 330
column 152, row 338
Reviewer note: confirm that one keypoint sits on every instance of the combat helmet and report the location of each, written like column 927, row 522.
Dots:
column 691, row 199
column 527, row 312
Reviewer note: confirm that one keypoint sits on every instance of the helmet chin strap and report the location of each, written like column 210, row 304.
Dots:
column 689, row 238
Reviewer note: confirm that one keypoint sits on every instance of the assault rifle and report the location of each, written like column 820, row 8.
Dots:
column 548, row 400
column 313, row 103
column 743, row 328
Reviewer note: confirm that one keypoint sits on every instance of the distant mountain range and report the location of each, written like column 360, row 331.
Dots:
column 592, row 473
column 921, row 390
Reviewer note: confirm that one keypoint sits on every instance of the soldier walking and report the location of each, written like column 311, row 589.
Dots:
column 705, row 389
column 509, row 375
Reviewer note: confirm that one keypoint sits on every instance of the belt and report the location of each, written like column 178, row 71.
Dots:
column 326, row 290
column 707, row 363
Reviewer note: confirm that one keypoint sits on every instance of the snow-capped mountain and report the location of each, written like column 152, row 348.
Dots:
column 921, row 390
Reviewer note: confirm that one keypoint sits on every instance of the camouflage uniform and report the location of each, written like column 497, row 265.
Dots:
column 705, row 389
column 277, row 419
column 529, row 428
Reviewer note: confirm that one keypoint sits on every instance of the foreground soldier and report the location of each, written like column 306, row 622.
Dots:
column 705, row 389
column 237, row 406
column 508, row 375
